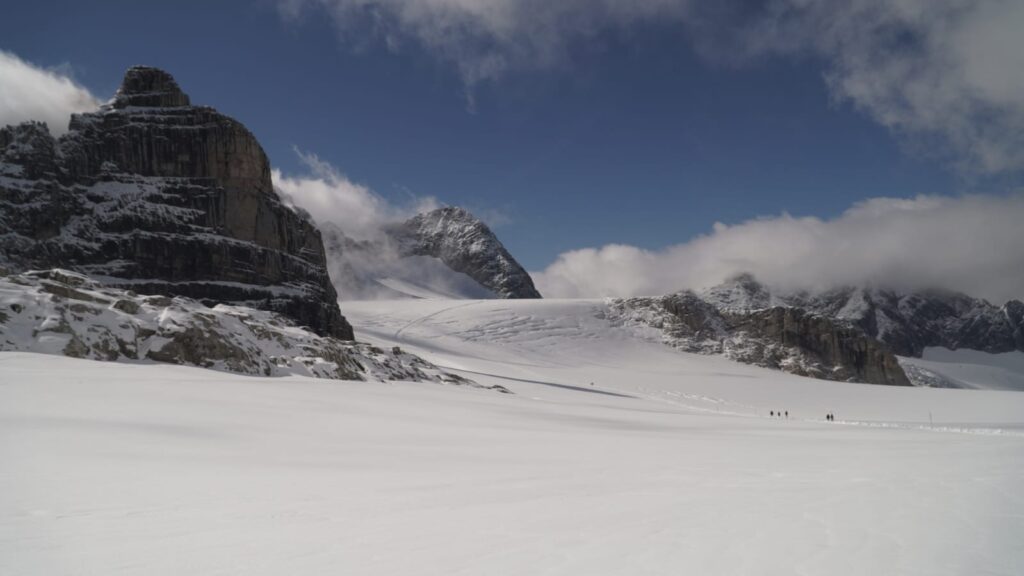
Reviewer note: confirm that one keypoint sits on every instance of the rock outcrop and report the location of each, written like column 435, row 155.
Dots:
column 66, row 313
column 154, row 194
column 466, row 245
column 787, row 339
column 842, row 334
column 906, row 323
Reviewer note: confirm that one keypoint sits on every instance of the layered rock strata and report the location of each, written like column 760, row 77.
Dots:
column 154, row 194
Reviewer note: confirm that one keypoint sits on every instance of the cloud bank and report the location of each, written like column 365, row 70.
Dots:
column 330, row 197
column 971, row 244
column 947, row 75
column 363, row 261
column 28, row 92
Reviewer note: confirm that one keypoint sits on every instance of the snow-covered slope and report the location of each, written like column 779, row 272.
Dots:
column 446, row 252
column 66, row 313
column 613, row 456
column 968, row 369
column 466, row 245
column 379, row 270
column 574, row 343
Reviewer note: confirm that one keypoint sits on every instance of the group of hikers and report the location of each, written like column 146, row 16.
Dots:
column 830, row 417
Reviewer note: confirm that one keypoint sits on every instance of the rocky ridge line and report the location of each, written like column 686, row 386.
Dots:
column 852, row 334
column 780, row 338
column 466, row 245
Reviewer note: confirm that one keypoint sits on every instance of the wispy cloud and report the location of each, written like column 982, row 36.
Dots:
column 482, row 39
column 29, row 92
column 947, row 75
column 330, row 197
column 971, row 244
column 339, row 205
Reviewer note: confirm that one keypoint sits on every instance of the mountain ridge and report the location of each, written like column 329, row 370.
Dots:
column 906, row 321
column 445, row 251
column 844, row 333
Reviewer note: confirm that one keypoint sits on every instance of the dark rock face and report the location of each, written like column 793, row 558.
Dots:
column 847, row 351
column 782, row 338
column 149, row 88
column 842, row 334
column 905, row 323
column 909, row 323
column 162, row 197
column 466, row 245
column 1014, row 311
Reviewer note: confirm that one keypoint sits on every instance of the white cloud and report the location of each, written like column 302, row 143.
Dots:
column 946, row 74
column 329, row 196
column 28, row 92
column 949, row 73
column 357, row 267
column 484, row 39
column 971, row 244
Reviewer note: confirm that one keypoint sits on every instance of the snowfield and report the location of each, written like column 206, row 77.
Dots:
column 614, row 455
column 972, row 369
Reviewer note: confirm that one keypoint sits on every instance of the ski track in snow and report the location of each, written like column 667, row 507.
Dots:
column 613, row 456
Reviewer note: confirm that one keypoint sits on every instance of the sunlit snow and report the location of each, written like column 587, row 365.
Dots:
column 614, row 455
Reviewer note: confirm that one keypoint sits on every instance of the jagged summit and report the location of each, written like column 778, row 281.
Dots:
column 146, row 86
column 844, row 333
column 906, row 321
column 465, row 244
column 446, row 253
column 740, row 292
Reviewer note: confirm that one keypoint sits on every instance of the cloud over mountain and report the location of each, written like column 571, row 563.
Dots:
column 28, row 92
column 330, row 197
column 971, row 244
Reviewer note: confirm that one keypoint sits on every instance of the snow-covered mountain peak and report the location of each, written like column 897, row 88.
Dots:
column 741, row 292
column 467, row 245
column 907, row 322
column 447, row 252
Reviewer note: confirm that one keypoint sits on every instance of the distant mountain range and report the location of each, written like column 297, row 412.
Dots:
column 444, row 253
column 907, row 322
column 850, row 334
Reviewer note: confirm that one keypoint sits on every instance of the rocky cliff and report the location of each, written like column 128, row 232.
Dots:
column 154, row 194
column 842, row 334
column 910, row 322
column 466, row 245
column 906, row 322
column 782, row 338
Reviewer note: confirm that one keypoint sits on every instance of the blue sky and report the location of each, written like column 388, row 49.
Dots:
column 632, row 133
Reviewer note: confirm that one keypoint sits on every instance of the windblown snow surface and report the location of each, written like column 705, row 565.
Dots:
column 614, row 455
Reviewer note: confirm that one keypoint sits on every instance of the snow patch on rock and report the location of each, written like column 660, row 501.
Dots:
column 66, row 313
